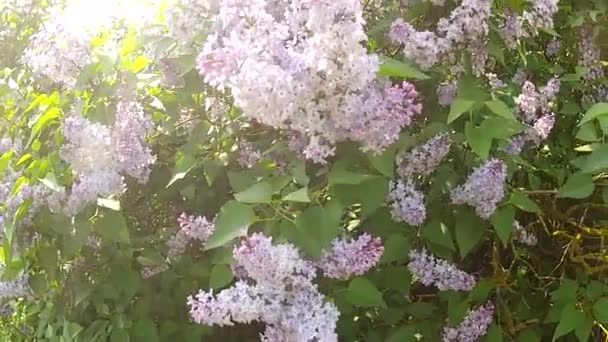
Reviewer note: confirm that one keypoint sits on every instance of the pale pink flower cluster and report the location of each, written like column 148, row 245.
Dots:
column 349, row 258
column 473, row 326
column 430, row 270
column 281, row 294
column 484, row 188
column 301, row 66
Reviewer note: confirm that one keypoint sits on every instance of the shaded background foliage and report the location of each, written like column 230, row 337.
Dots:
column 85, row 273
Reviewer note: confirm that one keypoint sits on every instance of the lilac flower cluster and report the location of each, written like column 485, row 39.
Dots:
column 186, row 19
column 528, row 102
column 539, row 16
column 12, row 199
column 88, row 150
column 446, row 92
column 433, row 271
column 423, row 159
column 553, row 48
column 15, row 288
column 474, row 325
column 322, row 84
column 519, row 77
column 407, row 203
column 484, row 188
column 467, row 25
column 249, row 156
column 522, row 235
column 283, row 295
column 495, row 82
column 590, row 58
column 129, row 132
column 190, row 228
column 349, row 258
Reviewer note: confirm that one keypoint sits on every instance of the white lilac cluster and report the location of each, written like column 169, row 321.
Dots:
column 349, row 258
column 280, row 293
column 538, row 16
column 473, row 326
column 129, row 132
column 484, row 188
column 430, row 270
column 423, row 159
column 522, row 235
column 15, row 288
column 186, row 19
column 407, row 203
column 191, row 228
column 446, row 92
column 88, row 150
column 301, row 66
column 466, row 26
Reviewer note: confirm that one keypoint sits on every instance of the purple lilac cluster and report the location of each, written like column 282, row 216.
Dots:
column 484, row 188
column 539, row 16
column 446, row 92
column 423, row 159
column 249, row 156
column 129, row 132
column 528, row 102
column 349, row 258
column 12, row 200
column 495, row 82
column 590, row 58
column 553, row 48
column 520, row 76
column 466, row 25
column 322, row 85
column 15, row 288
column 472, row 327
column 407, row 203
column 524, row 236
column 279, row 292
column 430, row 270
column 190, row 228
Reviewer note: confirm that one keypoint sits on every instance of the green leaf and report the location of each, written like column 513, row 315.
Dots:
column 258, row 193
column 600, row 310
column 501, row 109
column 458, row 107
column 43, row 121
column 145, row 330
column 395, row 68
column 502, row 221
column 469, row 231
column 406, row 333
column 184, row 163
column 494, row 334
column 594, row 162
column 570, row 319
column 579, row 185
column 588, row 132
column 596, row 110
column 437, row 232
column 339, row 175
column 384, row 162
column 523, row 202
column 119, row 335
column 583, row 330
column 363, row 293
column 232, row 220
column 113, row 226
column 300, row 195
column 396, row 248
column 316, row 227
column 220, row 276
column 479, row 140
